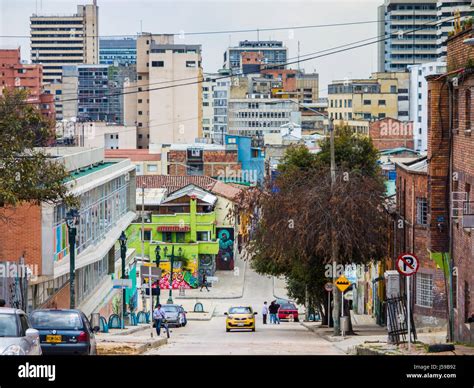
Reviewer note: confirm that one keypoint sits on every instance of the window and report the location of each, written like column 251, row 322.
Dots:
column 157, row 64
column 152, row 168
column 382, row 102
column 424, row 290
column 146, row 235
column 366, row 102
column 167, row 237
column 203, row 236
column 393, row 89
column 456, row 109
column 421, row 211
column 190, row 63
column 180, row 237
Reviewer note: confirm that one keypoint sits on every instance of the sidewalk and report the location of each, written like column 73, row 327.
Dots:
column 132, row 340
column 229, row 286
column 371, row 338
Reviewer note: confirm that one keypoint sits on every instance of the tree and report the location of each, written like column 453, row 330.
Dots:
column 27, row 174
column 291, row 229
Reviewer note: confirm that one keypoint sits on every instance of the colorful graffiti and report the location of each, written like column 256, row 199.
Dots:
column 180, row 280
column 61, row 244
column 225, row 257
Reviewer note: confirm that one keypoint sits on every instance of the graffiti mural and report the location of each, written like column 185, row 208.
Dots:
column 183, row 276
column 207, row 266
column 225, row 257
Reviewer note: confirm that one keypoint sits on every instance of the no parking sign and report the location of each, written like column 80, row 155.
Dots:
column 407, row 264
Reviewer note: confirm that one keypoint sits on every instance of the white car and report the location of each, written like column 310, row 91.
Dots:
column 17, row 337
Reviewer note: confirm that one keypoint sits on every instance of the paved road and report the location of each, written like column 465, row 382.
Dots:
column 210, row 337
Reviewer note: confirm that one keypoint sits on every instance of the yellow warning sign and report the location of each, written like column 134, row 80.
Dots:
column 342, row 283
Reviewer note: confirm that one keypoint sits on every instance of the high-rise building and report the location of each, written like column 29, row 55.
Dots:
column 273, row 53
column 419, row 101
column 61, row 40
column 411, row 34
column 166, row 112
column 118, row 51
column 446, row 10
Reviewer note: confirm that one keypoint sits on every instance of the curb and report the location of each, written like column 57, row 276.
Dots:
column 133, row 329
column 211, row 315
column 129, row 348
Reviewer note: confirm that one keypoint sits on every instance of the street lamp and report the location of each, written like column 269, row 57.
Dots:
column 180, row 252
column 72, row 219
column 123, row 254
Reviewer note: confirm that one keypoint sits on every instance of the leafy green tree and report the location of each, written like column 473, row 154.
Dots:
column 291, row 232
column 27, row 174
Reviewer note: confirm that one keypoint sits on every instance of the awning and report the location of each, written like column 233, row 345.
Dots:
column 173, row 228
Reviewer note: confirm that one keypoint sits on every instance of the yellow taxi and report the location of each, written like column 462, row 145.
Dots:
column 241, row 317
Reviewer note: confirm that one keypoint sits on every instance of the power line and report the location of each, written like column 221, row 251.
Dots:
column 321, row 54
column 194, row 33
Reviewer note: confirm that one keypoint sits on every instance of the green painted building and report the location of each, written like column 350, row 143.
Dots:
column 185, row 220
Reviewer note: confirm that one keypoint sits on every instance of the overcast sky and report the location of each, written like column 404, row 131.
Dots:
column 118, row 17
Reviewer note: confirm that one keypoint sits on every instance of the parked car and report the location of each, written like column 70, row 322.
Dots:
column 242, row 317
column 287, row 311
column 175, row 315
column 64, row 331
column 17, row 336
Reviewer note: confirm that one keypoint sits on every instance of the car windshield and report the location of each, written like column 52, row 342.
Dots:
column 288, row 306
column 8, row 325
column 170, row 309
column 240, row 310
column 59, row 320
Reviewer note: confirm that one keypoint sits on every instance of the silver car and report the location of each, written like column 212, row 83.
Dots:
column 17, row 337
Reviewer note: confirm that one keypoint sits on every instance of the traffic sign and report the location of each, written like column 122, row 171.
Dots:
column 329, row 287
column 342, row 283
column 407, row 264
column 122, row 283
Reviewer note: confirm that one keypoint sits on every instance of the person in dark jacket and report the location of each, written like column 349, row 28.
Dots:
column 273, row 310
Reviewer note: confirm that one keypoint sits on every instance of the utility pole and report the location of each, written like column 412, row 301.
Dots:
column 336, row 298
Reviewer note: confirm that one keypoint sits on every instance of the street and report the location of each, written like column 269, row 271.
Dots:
column 211, row 338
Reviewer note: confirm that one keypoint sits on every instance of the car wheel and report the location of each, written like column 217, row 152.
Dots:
column 227, row 330
column 253, row 329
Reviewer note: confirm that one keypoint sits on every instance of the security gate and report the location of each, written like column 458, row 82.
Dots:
column 397, row 322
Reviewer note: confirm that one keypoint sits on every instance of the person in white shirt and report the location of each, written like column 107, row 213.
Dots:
column 264, row 312
column 158, row 315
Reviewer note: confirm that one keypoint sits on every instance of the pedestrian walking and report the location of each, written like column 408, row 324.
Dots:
column 264, row 312
column 273, row 310
column 159, row 316
column 204, row 282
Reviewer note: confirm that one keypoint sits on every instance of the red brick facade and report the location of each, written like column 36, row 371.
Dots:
column 391, row 133
column 450, row 121
column 20, row 234
column 412, row 186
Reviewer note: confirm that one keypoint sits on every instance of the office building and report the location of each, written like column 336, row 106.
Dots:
column 60, row 40
column 272, row 53
column 403, row 45
column 118, row 51
column 383, row 95
column 449, row 9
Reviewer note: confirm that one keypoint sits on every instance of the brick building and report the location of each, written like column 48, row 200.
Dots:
column 451, row 177
column 429, row 291
column 14, row 74
column 391, row 133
